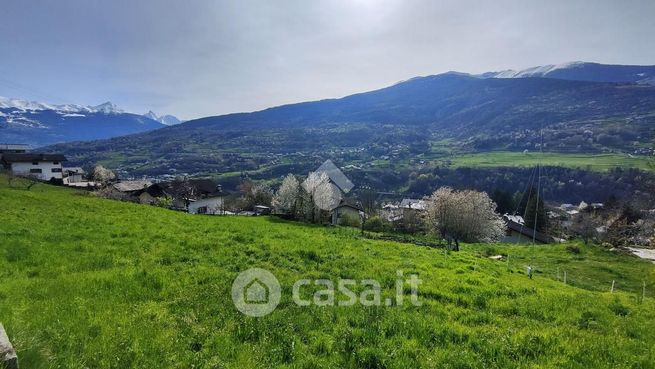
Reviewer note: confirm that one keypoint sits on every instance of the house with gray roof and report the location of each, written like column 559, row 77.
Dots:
column 43, row 167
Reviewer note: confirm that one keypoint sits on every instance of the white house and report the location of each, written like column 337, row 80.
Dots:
column 40, row 166
column 209, row 205
column 74, row 175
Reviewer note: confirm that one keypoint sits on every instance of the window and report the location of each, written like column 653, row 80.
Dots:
column 202, row 210
column 55, row 163
column 34, row 171
column 35, row 163
column 56, row 170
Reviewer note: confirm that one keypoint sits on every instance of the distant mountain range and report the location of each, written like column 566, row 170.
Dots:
column 167, row 120
column 43, row 124
column 40, row 124
column 576, row 107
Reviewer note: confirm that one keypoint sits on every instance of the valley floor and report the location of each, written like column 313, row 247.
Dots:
column 93, row 283
column 594, row 162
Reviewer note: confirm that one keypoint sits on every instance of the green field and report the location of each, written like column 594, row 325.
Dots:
column 92, row 283
column 597, row 162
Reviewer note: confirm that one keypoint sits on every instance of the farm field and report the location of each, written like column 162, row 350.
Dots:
column 598, row 162
column 94, row 283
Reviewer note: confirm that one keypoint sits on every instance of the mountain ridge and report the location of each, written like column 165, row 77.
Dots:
column 583, row 71
column 166, row 119
column 40, row 124
column 450, row 112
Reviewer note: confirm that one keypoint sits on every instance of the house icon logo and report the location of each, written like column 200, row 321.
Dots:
column 256, row 292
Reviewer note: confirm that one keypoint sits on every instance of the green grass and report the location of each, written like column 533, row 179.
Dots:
column 92, row 283
column 596, row 162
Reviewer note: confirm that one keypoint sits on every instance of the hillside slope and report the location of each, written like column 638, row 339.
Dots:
column 417, row 116
column 88, row 282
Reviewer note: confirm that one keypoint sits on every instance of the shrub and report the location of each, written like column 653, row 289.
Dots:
column 618, row 308
column 376, row 224
column 349, row 221
column 588, row 320
column 163, row 202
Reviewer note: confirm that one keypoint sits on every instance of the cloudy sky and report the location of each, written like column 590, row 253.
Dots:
column 207, row 57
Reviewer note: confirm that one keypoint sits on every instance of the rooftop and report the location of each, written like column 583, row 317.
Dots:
column 528, row 232
column 18, row 158
column 413, row 204
column 14, row 147
column 130, row 186
column 336, row 176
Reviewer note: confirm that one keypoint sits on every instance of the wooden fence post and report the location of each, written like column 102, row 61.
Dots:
column 8, row 358
column 612, row 290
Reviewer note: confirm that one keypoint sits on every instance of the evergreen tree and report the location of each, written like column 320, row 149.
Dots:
column 535, row 211
column 504, row 201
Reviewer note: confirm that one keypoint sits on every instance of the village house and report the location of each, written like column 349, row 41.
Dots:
column 73, row 175
column 517, row 232
column 412, row 207
column 347, row 211
column 128, row 190
column 391, row 212
column 197, row 196
column 211, row 205
column 262, row 210
column 43, row 167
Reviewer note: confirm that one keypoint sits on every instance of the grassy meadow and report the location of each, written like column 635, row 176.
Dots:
column 93, row 283
column 595, row 162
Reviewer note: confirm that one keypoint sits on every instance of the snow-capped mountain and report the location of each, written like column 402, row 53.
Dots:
column 168, row 120
column 25, row 105
column 107, row 108
column 583, row 71
column 40, row 124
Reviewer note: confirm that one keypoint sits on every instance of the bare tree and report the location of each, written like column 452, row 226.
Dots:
column 185, row 190
column 585, row 225
column 255, row 194
column 463, row 215
column 368, row 198
column 286, row 198
column 29, row 180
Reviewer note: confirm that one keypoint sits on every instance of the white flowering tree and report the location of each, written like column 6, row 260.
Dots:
column 287, row 197
column 468, row 216
column 319, row 193
column 103, row 175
